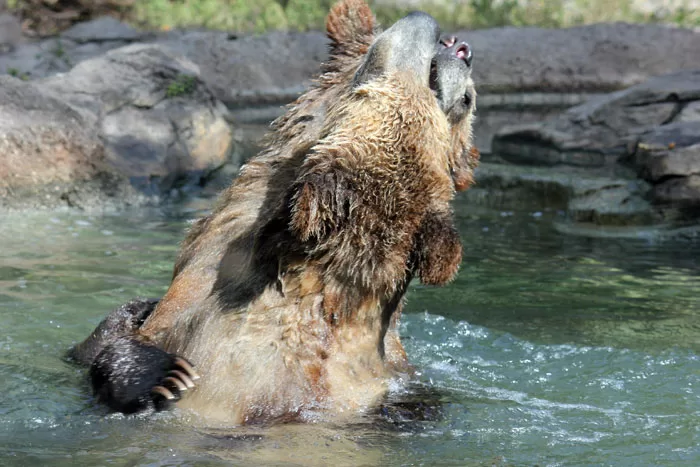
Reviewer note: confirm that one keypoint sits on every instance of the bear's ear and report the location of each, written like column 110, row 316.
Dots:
column 409, row 46
column 350, row 27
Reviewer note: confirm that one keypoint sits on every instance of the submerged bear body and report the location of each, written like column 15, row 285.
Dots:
column 286, row 298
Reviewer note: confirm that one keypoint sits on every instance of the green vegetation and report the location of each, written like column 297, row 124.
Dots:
column 59, row 51
column 264, row 15
column 182, row 85
column 233, row 15
column 18, row 74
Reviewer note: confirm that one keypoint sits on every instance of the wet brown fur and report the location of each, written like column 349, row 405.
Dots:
column 280, row 296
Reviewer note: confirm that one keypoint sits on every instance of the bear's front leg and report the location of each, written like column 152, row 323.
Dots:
column 130, row 376
column 438, row 249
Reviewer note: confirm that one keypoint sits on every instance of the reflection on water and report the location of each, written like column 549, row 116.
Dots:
column 548, row 349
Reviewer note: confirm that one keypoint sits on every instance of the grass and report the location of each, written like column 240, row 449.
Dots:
column 18, row 74
column 264, row 15
column 182, row 85
column 232, row 15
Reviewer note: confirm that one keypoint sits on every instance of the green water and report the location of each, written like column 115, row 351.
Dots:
column 549, row 349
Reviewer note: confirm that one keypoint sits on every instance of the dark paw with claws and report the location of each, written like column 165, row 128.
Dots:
column 178, row 380
column 130, row 376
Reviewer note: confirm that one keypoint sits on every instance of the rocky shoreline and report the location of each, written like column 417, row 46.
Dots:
column 641, row 144
column 598, row 121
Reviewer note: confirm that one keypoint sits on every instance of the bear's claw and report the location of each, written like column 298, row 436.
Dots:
column 131, row 376
column 178, row 380
column 185, row 365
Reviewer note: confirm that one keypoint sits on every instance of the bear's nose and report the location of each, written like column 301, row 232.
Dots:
column 448, row 41
column 457, row 48
column 464, row 52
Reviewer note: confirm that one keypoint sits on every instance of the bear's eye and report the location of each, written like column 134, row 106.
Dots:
column 467, row 99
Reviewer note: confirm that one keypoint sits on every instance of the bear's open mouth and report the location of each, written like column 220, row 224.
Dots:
column 433, row 78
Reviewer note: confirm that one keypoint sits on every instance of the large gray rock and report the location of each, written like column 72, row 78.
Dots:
column 121, row 129
column 689, row 113
column 668, row 157
column 593, row 134
column 601, row 130
column 252, row 73
column 104, row 29
column 38, row 59
column 10, row 32
column 159, row 121
column 586, row 196
column 248, row 71
column 530, row 74
column 594, row 58
column 51, row 155
column 651, row 128
column 668, row 151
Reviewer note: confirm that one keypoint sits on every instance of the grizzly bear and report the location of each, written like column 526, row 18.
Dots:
column 286, row 298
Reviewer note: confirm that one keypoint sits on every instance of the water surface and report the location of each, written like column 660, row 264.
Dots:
column 549, row 349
